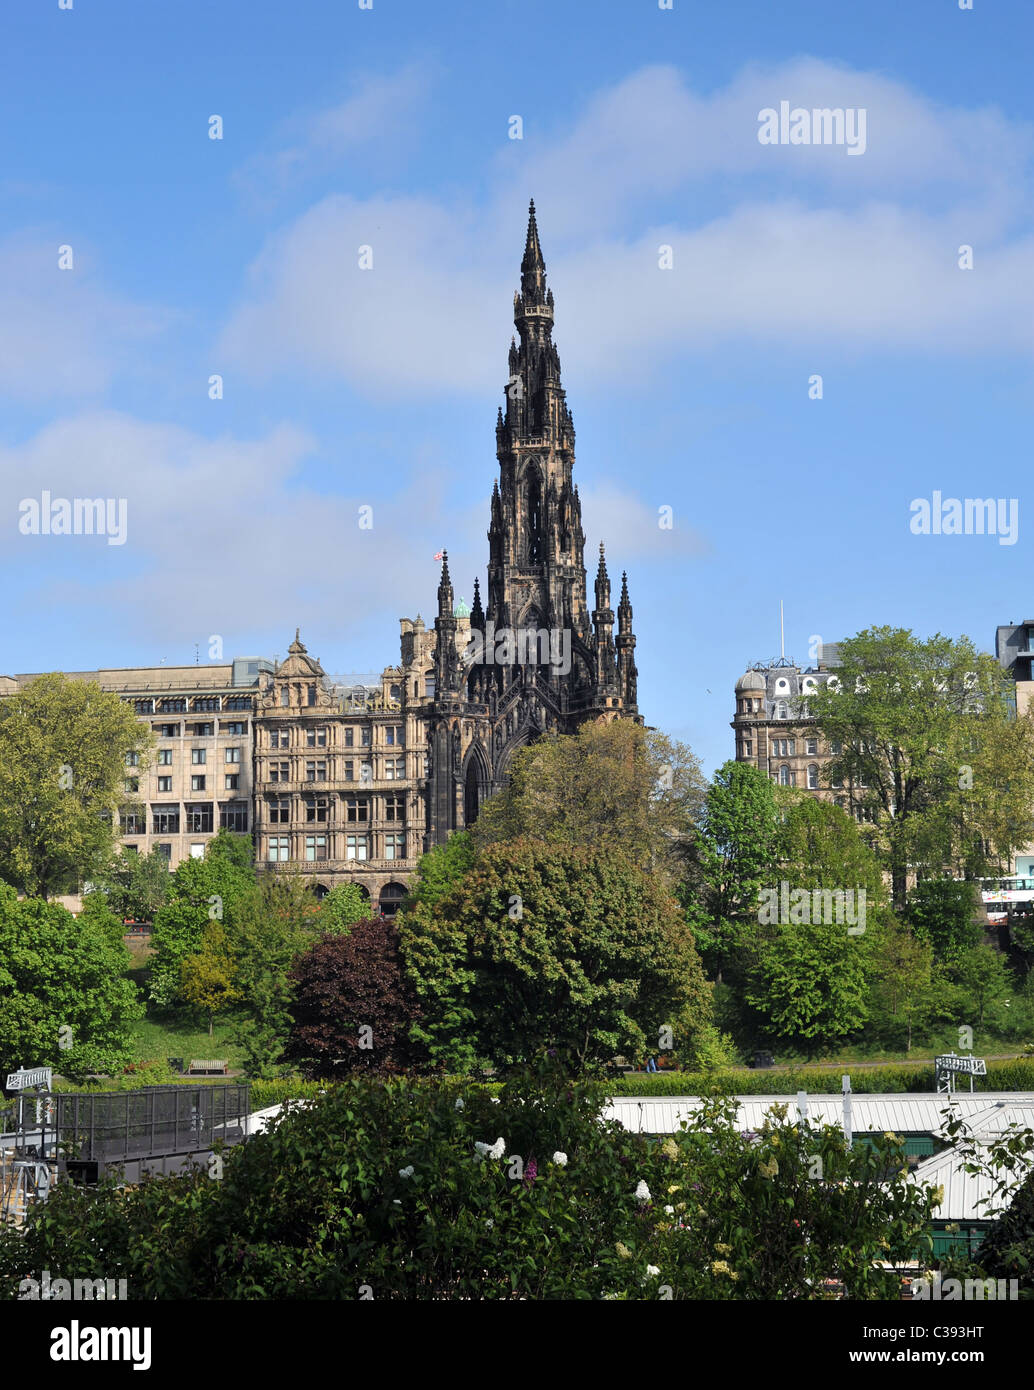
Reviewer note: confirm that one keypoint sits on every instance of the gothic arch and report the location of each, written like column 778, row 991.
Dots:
column 477, row 779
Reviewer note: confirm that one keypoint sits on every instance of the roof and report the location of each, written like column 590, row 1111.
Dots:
column 750, row 680
column 897, row 1113
column 971, row 1196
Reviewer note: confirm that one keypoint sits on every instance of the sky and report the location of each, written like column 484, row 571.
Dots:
column 140, row 258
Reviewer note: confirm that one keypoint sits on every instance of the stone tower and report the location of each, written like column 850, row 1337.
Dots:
column 534, row 658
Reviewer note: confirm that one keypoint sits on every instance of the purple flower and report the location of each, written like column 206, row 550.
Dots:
column 531, row 1171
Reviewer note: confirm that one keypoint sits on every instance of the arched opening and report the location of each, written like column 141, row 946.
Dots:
column 534, row 521
column 391, row 898
column 471, row 795
column 320, row 890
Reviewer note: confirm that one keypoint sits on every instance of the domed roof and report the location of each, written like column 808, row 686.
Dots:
column 750, row 680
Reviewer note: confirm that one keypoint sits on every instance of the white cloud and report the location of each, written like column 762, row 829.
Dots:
column 378, row 120
column 845, row 252
column 62, row 332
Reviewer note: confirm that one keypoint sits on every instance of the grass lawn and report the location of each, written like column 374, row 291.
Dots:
column 156, row 1039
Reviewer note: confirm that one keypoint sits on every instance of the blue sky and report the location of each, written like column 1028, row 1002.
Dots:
column 344, row 388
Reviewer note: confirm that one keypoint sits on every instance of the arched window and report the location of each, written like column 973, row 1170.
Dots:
column 813, row 777
column 534, row 521
column 785, row 776
column 391, row 898
column 782, row 686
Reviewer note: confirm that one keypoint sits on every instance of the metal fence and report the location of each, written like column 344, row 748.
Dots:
column 132, row 1124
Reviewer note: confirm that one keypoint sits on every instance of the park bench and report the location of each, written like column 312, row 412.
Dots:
column 203, row 1068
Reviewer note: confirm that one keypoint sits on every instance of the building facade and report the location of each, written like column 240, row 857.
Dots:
column 775, row 732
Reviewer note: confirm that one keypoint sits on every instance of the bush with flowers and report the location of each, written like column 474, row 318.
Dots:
column 393, row 1188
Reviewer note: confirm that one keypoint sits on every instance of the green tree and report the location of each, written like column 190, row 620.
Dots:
column 63, row 751
column 441, row 869
column 135, row 885
column 943, row 911
column 983, row 979
column 728, row 861
column 202, row 891
column 903, row 996
column 613, row 785
column 65, row 1000
column 343, row 906
column 551, row 944
column 277, row 919
column 928, row 744
column 207, row 978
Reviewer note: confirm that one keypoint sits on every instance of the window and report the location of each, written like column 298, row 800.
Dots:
column 393, row 735
column 811, row 745
column 198, row 851
column 165, row 820
column 395, row 693
column 813, row 777
column 199, row 756
column 394, row 769
column 395, row 846
column 837, row 782
column 167, row 730
column 132, row 760
column 364, row 736
column 315, row 847
column 231, row 781
column 233, row 815
column 197, row 784
column 132, row 784
column 279, row 848
column 316, row 738
column 133, row 823
column 428, row 687
column 235, row 726
column 784, row 747
column 278, row 738
column 349, row 738
column 748, row 748
column 835, row 747
column 164, row 757
column 312, row 694
column 165, row 851
column 200, row 818
column 165, row 784
column 172, row 705
column 863, row 781
column 279, row 811
column 785, row 776
column 233, row 755
column 237, row 702
column 206, row 702
column 781, row 710
column 203, row 730
column 280, row 772
column 316, row 770
column 357, row 808
column 316, row 808
column 427, row 764
column 285, row 696
column 356, row 847
column 144, row 706
column 394, row 808
column 131, row 849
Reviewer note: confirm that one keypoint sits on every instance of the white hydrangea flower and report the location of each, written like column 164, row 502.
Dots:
column 495, row 1150
column 642, row 1192
column 669, row 1211
column 560, row 1158
column 652, row 1271
column 407, row 1172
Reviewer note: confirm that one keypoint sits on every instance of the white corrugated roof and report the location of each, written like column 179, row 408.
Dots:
column 899, row 1113
column 971, row 1196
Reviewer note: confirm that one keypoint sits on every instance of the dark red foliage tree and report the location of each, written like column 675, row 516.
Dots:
column 353, row 1006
